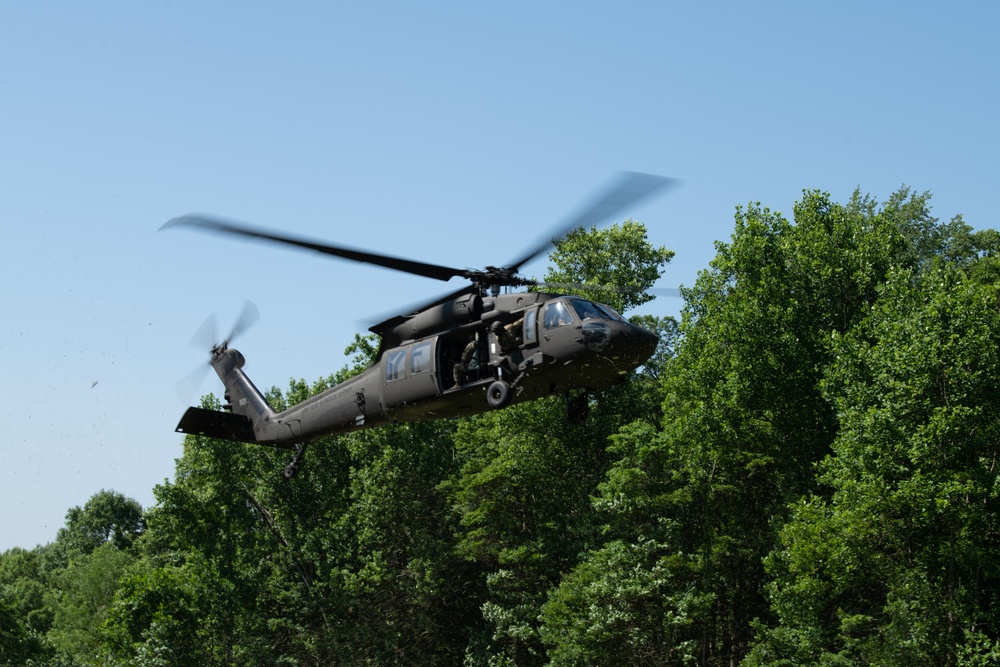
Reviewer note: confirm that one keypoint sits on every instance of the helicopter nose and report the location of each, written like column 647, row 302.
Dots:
column 645, row 343
column 632, row 344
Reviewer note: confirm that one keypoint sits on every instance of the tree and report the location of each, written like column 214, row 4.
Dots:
column 173, row 614
column 896, row 567
column 744, row 422
column 60, row 591
column 522, row 498
column 25, row 583
column 108, row 517
column 410, row 595
column 211, row 570
column 18, row 644
column 626, row 604
column 80, row 599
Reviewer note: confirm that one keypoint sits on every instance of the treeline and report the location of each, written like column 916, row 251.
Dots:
column 805, row 473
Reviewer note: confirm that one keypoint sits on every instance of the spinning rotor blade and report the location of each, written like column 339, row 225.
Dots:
column 206, row 338
column 627, row 190
column 207, row 334
column 248, row 317
column 188, row 385
column 215, row 224
column 671, row 292
column 630, row 188
column 664, row 291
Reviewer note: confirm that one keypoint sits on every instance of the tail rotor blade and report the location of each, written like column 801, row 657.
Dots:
column 207, row 334
column 206, row 338
column 191, row 383
column 248, row 317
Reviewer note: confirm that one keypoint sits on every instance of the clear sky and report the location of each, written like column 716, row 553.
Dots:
column 450, row 132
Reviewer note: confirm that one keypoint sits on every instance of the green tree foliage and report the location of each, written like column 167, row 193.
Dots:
column 523, row 491
column 745, row 420
column 628, row 603
column 108, row 517
column 897, row 566
column 60, row 592
column 25, row 583
column 18, row 643
column 80, row 599
column 522, row 498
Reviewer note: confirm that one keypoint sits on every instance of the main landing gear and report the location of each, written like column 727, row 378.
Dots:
column 498, row 394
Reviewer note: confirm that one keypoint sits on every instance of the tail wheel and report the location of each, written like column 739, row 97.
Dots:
column 498, row 394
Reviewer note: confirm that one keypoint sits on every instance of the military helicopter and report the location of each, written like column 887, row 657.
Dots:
column 473, row 350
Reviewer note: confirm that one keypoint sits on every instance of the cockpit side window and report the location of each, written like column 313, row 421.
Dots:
column 420, row 358
column 556, row 315
column 529, row 325
column 395, row 365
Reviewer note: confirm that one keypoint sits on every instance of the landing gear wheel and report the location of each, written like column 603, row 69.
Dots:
column 498, row 394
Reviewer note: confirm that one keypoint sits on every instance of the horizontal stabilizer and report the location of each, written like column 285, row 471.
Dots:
column 214, row 424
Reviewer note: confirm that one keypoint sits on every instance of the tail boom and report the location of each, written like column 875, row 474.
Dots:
column 249, row 416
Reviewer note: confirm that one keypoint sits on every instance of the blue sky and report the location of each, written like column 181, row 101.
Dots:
column 453, row 133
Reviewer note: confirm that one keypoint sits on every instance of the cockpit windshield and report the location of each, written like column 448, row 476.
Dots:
column 588, row 310
column 612, row 313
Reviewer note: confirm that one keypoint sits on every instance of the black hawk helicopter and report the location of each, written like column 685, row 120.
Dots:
column 470, row 351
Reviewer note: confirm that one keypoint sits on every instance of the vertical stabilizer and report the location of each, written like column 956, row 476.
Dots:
column 242, row 397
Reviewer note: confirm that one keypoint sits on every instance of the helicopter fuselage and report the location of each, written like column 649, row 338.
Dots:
column 465, row 356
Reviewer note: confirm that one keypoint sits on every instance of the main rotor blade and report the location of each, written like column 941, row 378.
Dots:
column 628, row 189
column 215, row 224
column 672, row 292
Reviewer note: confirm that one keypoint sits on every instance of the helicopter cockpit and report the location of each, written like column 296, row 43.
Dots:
column 593, row 318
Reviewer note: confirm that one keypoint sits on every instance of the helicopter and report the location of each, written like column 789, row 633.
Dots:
column 470, row 351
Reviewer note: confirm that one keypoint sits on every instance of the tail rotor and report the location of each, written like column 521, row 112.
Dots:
column 207, row 337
